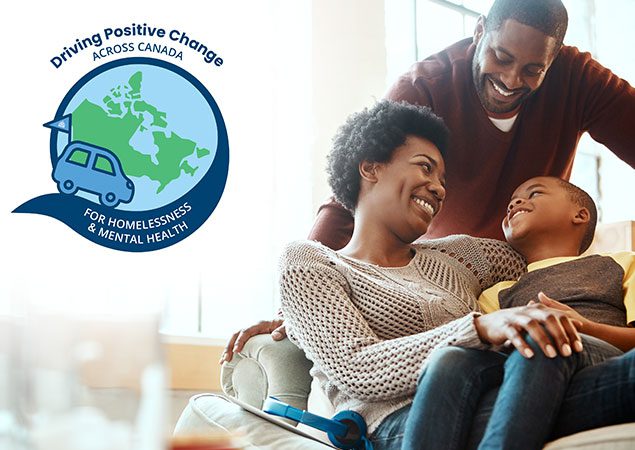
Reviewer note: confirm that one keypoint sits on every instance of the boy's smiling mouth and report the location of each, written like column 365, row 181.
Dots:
column 516, row 213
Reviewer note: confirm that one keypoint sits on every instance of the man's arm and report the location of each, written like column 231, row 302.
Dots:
column 406, row 89
column 333, row 225
column 609, row 106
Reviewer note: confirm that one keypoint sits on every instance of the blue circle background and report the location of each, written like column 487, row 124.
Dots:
column 188, row 114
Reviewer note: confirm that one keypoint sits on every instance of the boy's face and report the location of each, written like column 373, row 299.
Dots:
column 538, row 207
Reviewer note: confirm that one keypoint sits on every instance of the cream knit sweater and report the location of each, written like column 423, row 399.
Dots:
column 369, row 330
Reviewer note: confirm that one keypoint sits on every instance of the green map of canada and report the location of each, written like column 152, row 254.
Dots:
column 122, row 115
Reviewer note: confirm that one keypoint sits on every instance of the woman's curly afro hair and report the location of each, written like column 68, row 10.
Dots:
column 373, row 135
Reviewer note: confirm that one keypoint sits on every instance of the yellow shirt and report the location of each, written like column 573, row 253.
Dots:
column 488, row 300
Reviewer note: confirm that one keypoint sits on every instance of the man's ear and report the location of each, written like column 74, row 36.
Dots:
column 479, row 30
column 368, row 171
column 582, row 216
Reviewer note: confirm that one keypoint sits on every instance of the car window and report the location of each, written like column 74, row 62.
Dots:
column 79, row 157
column 104, row 165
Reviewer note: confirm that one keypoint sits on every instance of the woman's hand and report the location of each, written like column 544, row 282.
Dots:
column 239, row 338
column 546, row 326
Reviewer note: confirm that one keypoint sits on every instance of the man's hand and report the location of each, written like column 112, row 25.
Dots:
column 239, row 338
column 546, row 326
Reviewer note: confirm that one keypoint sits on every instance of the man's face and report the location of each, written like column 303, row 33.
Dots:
column 510, row 64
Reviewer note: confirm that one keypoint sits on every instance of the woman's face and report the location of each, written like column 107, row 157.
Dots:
column 410, row 188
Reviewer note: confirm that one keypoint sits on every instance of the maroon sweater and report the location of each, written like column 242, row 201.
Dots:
column 484, row 164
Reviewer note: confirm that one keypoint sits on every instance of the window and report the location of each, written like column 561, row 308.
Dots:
column 438, row 23
column 104, row 165
column 79, row 157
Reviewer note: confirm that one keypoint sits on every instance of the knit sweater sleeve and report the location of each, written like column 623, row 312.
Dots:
column 318, row 305
column 503, row 261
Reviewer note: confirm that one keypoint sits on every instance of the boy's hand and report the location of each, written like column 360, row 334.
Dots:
column 546, row 326
column 572, row 313
column 621, row 337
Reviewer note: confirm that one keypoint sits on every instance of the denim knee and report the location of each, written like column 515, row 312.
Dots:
column 450, row 360
column 458, row 363
column 563, row 362
column 629, row 360
column 452, row 356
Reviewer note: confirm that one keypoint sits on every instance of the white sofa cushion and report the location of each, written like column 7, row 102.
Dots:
column 616, row 437
column 266, row 367
column 211, row 413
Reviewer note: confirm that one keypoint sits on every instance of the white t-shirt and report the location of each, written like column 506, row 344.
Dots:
column 504, row 124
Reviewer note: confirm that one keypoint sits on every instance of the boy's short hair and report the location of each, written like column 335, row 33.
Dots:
column 373, row 135
column 581, row 198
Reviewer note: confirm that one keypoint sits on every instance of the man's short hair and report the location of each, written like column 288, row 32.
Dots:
column 548, row 16
column 373, row 135
column 581, row 198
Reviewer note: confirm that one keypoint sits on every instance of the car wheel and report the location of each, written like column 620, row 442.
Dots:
column 67, row 187
column 109, row 199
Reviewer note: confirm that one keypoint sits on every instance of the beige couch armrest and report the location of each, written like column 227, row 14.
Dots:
column 268, row 368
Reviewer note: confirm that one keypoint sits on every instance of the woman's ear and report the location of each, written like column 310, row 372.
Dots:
column 479, row 30
column 582, row 216
column 368, row 171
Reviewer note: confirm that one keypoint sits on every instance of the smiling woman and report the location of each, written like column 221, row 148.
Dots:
column 370, row 315
column 409, row 186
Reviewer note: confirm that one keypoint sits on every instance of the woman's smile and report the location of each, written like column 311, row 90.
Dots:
column 422, row 204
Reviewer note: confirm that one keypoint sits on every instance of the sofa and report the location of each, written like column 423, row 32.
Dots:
column 266, row 367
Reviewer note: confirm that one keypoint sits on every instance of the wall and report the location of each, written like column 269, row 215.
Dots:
column 602, row 29
column 614, row 33
column 348, row 72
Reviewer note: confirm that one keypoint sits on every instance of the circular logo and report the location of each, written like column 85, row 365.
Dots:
column 154, row 117
column 139, row 153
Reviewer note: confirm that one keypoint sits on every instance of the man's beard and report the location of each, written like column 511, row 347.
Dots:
column 480, row 86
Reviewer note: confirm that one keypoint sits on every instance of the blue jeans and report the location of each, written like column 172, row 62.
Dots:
column 457, row 404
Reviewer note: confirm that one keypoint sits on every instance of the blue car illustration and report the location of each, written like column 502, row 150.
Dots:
column 89, row 168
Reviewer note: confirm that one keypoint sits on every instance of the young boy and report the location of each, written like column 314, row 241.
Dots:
column 551, row 222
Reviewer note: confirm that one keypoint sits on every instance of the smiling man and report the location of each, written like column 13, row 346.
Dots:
column 516, row 101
